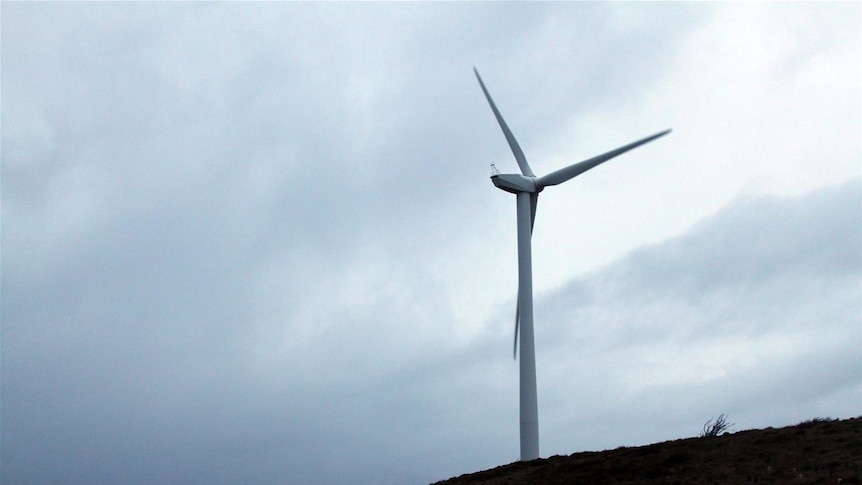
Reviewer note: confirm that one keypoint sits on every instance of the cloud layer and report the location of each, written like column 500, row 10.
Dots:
column 256, row 242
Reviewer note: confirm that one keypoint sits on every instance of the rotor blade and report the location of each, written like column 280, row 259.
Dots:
column 513, row 144
column 517, row 319
column 534, row 202
column 571, row 171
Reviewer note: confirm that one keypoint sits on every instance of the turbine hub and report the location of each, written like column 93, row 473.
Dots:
column 515, row 182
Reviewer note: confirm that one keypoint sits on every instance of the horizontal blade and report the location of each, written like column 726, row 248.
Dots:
column 572, row 171
column 513, row 144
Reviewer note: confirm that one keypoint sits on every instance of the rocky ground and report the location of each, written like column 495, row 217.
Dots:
column 816, row 451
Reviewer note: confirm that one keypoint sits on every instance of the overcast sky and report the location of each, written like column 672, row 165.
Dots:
column 257, row 243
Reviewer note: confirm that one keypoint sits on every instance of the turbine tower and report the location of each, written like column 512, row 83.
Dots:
column 526, row 186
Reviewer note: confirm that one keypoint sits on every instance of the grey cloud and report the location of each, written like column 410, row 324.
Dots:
column 233, row 236
column 762, row 301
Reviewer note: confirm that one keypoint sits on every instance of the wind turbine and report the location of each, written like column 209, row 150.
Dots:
column 526, row 186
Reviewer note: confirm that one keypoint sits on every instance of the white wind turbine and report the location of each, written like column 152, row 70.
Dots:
column 526, row 186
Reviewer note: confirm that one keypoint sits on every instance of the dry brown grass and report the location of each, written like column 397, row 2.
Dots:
column 821, row 451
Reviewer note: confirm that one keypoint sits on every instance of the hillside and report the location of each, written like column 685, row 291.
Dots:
column 817, row 451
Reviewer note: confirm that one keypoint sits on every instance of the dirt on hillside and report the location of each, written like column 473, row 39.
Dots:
column 816, row 451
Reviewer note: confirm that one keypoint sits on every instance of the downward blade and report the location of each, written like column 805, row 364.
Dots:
column 517, row 320
column 513, row 143
column 534, row 202
column 574, row 170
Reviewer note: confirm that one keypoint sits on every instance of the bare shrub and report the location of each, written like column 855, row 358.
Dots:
column 716, row 426
column 816, row 420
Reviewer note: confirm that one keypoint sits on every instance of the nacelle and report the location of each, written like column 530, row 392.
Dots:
column 515, row 182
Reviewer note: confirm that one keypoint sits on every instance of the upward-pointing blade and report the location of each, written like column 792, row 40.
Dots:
column 574, row 170
column 513, row 144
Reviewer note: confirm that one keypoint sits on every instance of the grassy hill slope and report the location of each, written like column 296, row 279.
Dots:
column 817, row 451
